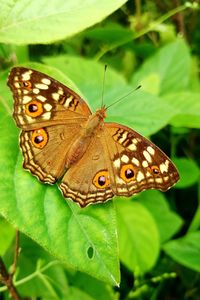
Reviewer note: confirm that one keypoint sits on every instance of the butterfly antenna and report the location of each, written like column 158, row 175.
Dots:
column 103, row 87
column 121, row 98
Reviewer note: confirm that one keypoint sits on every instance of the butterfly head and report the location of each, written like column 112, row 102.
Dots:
column 101, row 113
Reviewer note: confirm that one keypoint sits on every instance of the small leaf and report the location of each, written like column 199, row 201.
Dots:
column 138, row 235
column 186, row 250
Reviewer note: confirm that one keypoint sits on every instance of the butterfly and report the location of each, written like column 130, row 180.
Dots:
column 62, row 138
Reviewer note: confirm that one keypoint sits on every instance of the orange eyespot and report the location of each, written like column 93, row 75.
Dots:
column 127, row 173
column 39, row 138
column 155, row 170
column 101, row 179
column 34, row 108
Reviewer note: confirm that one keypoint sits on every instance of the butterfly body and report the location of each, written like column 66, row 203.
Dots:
column 61, row 138
column 94, row 124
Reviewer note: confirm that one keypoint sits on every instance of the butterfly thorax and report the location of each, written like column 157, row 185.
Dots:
column 80, row 145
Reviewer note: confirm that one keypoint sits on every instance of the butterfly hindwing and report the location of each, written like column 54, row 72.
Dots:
column 45, row 150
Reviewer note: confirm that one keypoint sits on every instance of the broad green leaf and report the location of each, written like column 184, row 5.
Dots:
column 167, row 221
column 187, row 105
column 189, row 172
column 71, row 234
column 142, row 111
column 170, row 66
column 138, row 235
column 25, row 22
column 186, row 250
column 7, row 234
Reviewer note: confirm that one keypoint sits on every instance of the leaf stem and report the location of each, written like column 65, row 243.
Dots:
column 33, row 275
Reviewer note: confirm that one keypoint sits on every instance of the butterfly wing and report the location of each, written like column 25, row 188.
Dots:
column 87, row 181
column 45, row 150
column 51, row 116
column 137, row 164
column 40, row 100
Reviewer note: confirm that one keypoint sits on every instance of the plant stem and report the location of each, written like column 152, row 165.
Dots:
column 6, row 279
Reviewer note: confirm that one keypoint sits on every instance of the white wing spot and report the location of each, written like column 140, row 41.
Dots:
column 124, row 136
column 159, row 180
column 46, row 81
column 46, row 116
column 147, row 156
column 166, row 178
column 132, row 147
column 140, row 176
column 67, row 101
column 36, row 91
column 60, row 91
column 55, row 96
column 41, row 98
column 150, row 150
column 117, row 163
column 41, row 86
column 135, row 141
column 47, row 106
column 26, row 99
column 26, row 75
column 148, row 174
column 164, row 166
column 145, row 164
column 17, row 85
column 125, row 158
column 135, row 161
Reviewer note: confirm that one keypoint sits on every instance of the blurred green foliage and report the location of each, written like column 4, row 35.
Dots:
column 146, row 247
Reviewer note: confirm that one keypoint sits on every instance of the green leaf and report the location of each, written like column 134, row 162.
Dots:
column 6, row 236
column 138, row 235
column 140, row 110
column 189, row 172
column 90, row 286
column 187, row 106
column 61, row 227
column 25, row 22
column 170, row 66
column 186, row 250
column 51, row 283
column 168, row 222
column 111, row 34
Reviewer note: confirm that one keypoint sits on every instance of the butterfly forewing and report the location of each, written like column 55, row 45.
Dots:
column 138, row 163
column 42, row 101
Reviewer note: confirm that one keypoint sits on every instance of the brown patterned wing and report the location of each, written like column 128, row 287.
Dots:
column 40, row 100
column 45, row 150
column 87, row 181
column 137, row 164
